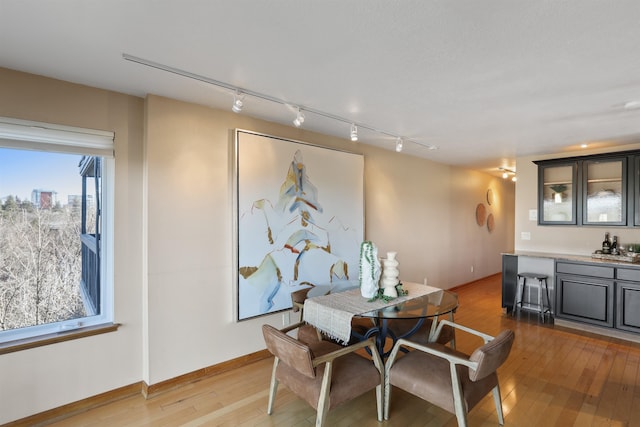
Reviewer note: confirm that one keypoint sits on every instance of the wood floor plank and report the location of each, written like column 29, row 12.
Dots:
column 554, row 376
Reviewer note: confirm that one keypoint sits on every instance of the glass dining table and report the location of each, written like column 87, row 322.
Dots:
column 412, row 311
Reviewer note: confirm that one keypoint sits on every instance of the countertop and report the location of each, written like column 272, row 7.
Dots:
column 570, row 257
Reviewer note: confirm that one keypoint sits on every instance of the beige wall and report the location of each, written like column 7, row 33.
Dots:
column 46, row 377
column 472, row 245
column 558, row 239
column 174, row 291
column 423, row 210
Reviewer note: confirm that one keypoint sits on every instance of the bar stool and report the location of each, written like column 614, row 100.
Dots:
column 542, row 307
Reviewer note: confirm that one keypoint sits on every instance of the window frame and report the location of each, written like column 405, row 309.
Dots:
column 45, row 137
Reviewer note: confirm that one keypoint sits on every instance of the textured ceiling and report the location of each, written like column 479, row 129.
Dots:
column 485, row 81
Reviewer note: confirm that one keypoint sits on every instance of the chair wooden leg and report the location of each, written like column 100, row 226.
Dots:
column 387, row 383
column 458, row 400
column 273, row 388
column 387, row 396
column 323, row 401
column 452, row 343
column 498, row 400
column 380, row 394
column 379, row 402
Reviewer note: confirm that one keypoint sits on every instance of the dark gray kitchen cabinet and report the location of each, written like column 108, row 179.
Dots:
column 585, row 293
column 604, row 191
column 594, row 190
column 558, row 192
column 628, row 299
column 509, row 281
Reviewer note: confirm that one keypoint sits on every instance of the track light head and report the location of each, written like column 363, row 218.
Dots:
column 238, row 102
column 299, row 120
column 240, row 92
column 399, row 144
column 506, row 173
column 354, row 132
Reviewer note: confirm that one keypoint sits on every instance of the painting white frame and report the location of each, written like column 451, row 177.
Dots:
column 298, row 219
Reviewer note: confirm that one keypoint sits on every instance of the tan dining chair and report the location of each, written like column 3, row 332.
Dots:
column 447, row 378
column 308, row 333
column 447, row 334
column 322, row 373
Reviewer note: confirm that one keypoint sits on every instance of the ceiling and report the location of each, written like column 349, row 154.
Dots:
column 484, row 81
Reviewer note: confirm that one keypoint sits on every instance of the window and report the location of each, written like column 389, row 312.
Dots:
column 55, row 228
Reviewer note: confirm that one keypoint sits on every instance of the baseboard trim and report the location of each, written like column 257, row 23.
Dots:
column 148, row 391
column 65, row 411
column 473, row 282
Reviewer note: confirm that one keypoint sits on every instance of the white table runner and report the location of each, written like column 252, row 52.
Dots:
column 332, row 313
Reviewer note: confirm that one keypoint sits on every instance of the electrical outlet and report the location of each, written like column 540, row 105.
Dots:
column 285, row 319
column 525, row 235
column 472, row 268
column 425, row 281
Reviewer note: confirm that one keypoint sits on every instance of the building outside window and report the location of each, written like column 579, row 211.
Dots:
column 56, row 204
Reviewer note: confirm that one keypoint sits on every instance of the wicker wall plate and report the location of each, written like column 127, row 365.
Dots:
column 481, row 214
column 490, row 223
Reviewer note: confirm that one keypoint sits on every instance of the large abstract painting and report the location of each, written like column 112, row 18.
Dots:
column 299, row 219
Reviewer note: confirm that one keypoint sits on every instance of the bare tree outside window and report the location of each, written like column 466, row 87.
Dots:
column 40, row 244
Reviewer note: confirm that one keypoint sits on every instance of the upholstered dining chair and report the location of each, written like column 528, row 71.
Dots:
column 322, row 373
column 308, row 333
column 447, row 378
column 447, row 335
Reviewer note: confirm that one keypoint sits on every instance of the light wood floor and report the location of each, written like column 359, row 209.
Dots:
column 553, row 377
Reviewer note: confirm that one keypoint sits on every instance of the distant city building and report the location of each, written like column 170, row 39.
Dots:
column 44, row 199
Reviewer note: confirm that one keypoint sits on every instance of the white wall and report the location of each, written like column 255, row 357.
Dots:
column 173, row 287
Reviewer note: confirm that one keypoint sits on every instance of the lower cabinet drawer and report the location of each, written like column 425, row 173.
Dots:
column 604, row 272
column 632, row 274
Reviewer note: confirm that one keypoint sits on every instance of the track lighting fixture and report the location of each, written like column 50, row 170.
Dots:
column 299, row 120
column 240, row 93
column 354, row 132
column 238, row 102
column 506, row 173
column 399, row 145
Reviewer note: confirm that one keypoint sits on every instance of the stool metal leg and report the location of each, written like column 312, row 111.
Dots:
column 540, row 301
column 546, row 288
column 521, row 288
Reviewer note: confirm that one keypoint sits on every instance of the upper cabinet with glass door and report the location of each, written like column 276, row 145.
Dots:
column 604, row 191
column 590, row 190
column 557, row 184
